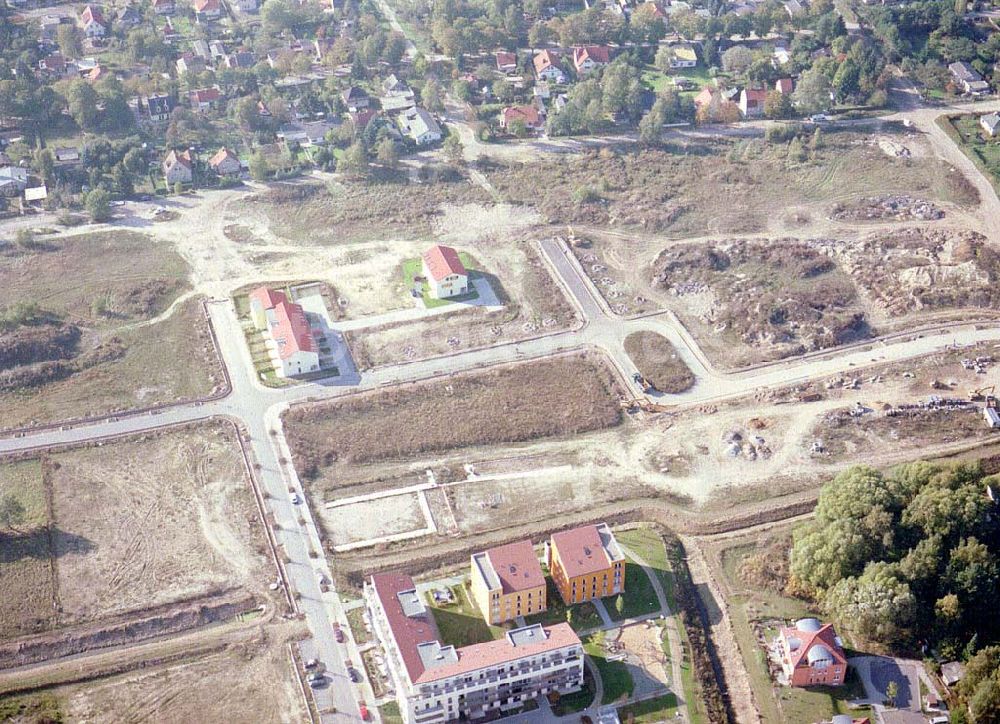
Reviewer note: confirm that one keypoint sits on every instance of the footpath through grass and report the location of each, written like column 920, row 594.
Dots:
column 614, row 675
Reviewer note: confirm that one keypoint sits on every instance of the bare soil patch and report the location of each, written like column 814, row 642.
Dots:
column 897, row 207
column 658, row 362
column 373, row 519
column 131, row 525
column 559, row 396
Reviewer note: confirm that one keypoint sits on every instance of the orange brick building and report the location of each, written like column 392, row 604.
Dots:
column 812, row 655
column 586, row 563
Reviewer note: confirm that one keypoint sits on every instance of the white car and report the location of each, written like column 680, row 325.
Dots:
column 819, row 118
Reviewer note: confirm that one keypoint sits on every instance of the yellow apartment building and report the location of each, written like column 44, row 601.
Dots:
column 586, row 563
column 507, row 582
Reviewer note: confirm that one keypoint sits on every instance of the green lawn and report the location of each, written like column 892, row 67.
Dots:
column 615, row 677
column 985, row 153
column 461, row 623
column 577, row 701
column 389, row 713
column 414, row 267
column 656, row 80
column 357, row 624
column 639, row 598
column 584, row 616
column 659, row 709
column 648, row 545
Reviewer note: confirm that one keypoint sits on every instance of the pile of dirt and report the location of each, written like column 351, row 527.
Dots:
column 906, row 270
column 894, row 207
column 780, row 293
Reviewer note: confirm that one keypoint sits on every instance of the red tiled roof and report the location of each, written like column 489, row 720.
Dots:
column 784, row 85
column 409, row 632
column 221, row 155
column 597, row 53
column 181, row 157
column 580, row 551
column 504, row 58
column 493, row 653
column 825, row 635
column 544, row 60
column 516, row 566
column 203, row 6
column 291, row 331
column 755, row 95
column 267, row 297
column 90, row 13
column 362, row 118
column 527, row 114
column 442, row 261
column 206, row 95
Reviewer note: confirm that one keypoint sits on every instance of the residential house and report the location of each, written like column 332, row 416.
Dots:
column 547, row 69
column 204, row 100
column 53, row 66
column 752, row 102
column 795, row 8
column 419, row 125
column 217, row 50
column 969, row 79
column 225, row 163
column 588, row 57
column 780, row 55
column 200, row 48
column 990, row 123
column 285, row 323
column 506, row 62
column 436, row 683
column 247, row 6
column 206, row 9
column 305, row 133
column 190, row 63
column 393, row 86
column 952, row 672
column 355, row 98
column 396, row 95
column 67, row 155
column 241, row 59
column 446, row 275
column 682, row 56
column 98, row 72
column 13, row 180
column 48, row 27
column 156, row 108
column 178, row 166
column 36, row 195
column 530, row 116
column 507, row 582
column 586, row 563
column 164, row 7
column 784, row 86
column 812, row 654
column 128, row 17
column 93, row 23
column 361, row 118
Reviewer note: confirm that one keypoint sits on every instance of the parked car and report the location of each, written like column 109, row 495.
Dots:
column 363, row 711
column 338, row 633
column 354, row 674
column 296, row 499
column 818, row 118
column 312, row 663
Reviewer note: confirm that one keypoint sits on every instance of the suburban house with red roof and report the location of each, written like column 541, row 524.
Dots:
column 588, row 57
column 507, row 582
column 752, row 102
column 812, row 654
column 285, row 323
column 435, row 682
column 506, row 61
column 784, row 86
column 225, row 162
column 178, row 166
column 586, row 563
column 547, row 68
column 530, row 116
column 92, row 22
column 446, row 275
column 207, row 9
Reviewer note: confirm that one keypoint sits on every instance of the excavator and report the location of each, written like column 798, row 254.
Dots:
column 641, row 403
column 981, row 393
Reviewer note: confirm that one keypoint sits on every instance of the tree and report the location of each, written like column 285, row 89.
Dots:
column 68, row 39
column 354, row 162
column 12, row 512
column 777, row 105
column 259, row 168
column 45, row 164
column 98, row 205
column 620, row 605
column 812, row 94
column 81, row 99
column 386, row 153
column 651, row 125
column 891, row 692
column 878, row 605
column 453, row 149
column 847, row 80
column 737, row 59
column 178, row 188
column 503, row 89
column 430, row 94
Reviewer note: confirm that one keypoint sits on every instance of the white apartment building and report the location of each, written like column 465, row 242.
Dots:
column 437, row 683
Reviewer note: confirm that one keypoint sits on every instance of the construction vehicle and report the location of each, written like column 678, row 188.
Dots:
column 644, row 384
column 641, row 403
column 981, row 393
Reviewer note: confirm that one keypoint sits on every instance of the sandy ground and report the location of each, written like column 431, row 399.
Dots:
column 373, row 519
column 151, row 522
column 645, row 658
column 251, row 682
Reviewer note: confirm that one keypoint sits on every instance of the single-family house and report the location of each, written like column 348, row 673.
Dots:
column 241, row 59
column 156, row 108
column 67, row 155
column 705, row 96
column 812, row 654
column 586, row 563
column 190, row 63
column 178, row 166
column 547, row 68
column 396, row 95
column 285, row 323
column 795, row 8
column 393, row 86
column 361, row 118
column 247, row 6
column 53, row 66
column 445, row 273
column 969, row 79
column 419, row 125
column 784, row 86
column 36, row 195
column 200, row 48
column 128, row 17
column 588, row 57
column 164, row 7
column 305, row 133
column 225, row 163
column 506, row 61
column 682, row 56
column 780, row 55
column 93, row 23
column 13, row 180
column 752, row 102
column 204, row 100
column 990, row 123
column 952, row 672
column 530, row 116
column 355, row 98
column 206, row 9
column 217, row 50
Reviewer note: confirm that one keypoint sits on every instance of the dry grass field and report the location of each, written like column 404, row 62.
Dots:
column 719, row 186
column 338, row 214
column 133, row 524
column 139, row 374
column 558, row 396
column 383, row 516
column 658, row 362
